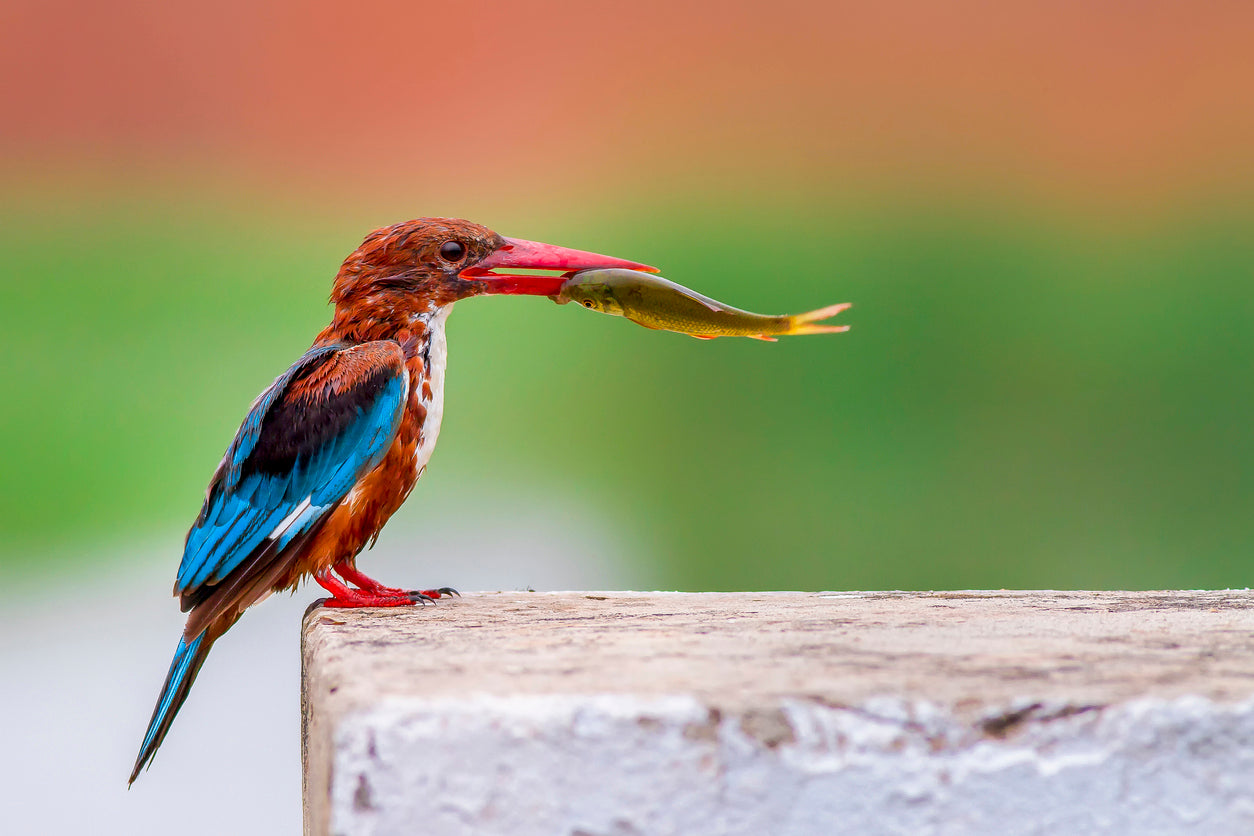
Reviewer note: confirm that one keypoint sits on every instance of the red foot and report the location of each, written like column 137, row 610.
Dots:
column 345, row 596
column 349, row 572
column 366, row 583
column 359, row 600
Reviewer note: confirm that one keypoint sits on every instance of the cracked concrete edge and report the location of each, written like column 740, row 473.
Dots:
column 540, row 764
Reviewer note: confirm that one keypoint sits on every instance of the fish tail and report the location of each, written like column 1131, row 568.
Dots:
column 188, row 658
column 807, row 323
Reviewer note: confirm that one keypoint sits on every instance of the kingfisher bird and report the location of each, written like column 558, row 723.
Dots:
column 333, row 447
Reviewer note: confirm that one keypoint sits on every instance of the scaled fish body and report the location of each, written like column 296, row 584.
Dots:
column 654, row 302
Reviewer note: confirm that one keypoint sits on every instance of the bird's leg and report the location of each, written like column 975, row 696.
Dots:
column 345, row 596
column 353, row 575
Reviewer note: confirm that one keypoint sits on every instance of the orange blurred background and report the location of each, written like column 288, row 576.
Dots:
column 1099, row 101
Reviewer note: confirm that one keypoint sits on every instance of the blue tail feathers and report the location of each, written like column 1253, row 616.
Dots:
column 183, row 669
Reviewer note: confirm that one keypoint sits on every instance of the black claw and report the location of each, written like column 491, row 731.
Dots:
column 444, row 590
column 418, row 597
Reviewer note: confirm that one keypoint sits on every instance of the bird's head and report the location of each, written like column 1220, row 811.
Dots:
column 419, row 266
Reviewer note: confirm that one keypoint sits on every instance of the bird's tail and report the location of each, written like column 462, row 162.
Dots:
column 188, row 658
column 806, row 323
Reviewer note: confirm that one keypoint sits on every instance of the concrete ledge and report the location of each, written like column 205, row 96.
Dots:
column 614, row 714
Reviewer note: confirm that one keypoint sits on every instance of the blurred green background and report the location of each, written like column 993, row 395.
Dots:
column 1023, row 400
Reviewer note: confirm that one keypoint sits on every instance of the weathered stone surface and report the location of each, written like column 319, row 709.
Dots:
column 792, row 713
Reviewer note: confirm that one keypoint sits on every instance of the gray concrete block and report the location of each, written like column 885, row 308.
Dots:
column 615, row 714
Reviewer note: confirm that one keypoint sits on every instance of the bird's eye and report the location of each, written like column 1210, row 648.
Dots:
column 587, row 303
column 452, row 251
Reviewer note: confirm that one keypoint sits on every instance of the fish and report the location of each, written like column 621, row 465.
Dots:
column 663, row 305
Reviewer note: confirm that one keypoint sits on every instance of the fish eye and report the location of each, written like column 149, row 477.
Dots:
column 452, row 251
column 587, row 303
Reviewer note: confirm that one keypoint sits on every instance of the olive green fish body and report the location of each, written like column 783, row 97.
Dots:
column 655, row 302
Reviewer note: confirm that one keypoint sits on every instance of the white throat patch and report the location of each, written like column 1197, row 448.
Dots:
column 437, row 360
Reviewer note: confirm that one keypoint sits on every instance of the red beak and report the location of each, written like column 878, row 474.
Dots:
column 529, row 255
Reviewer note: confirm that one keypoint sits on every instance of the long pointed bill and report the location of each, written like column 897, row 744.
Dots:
column 530, row 255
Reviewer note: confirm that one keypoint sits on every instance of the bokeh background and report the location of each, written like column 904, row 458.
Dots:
column 1042, row 212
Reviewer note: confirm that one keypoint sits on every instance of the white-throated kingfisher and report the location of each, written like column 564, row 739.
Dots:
column 334, row 446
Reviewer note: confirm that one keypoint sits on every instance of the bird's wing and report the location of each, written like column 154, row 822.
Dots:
column 321, row 426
